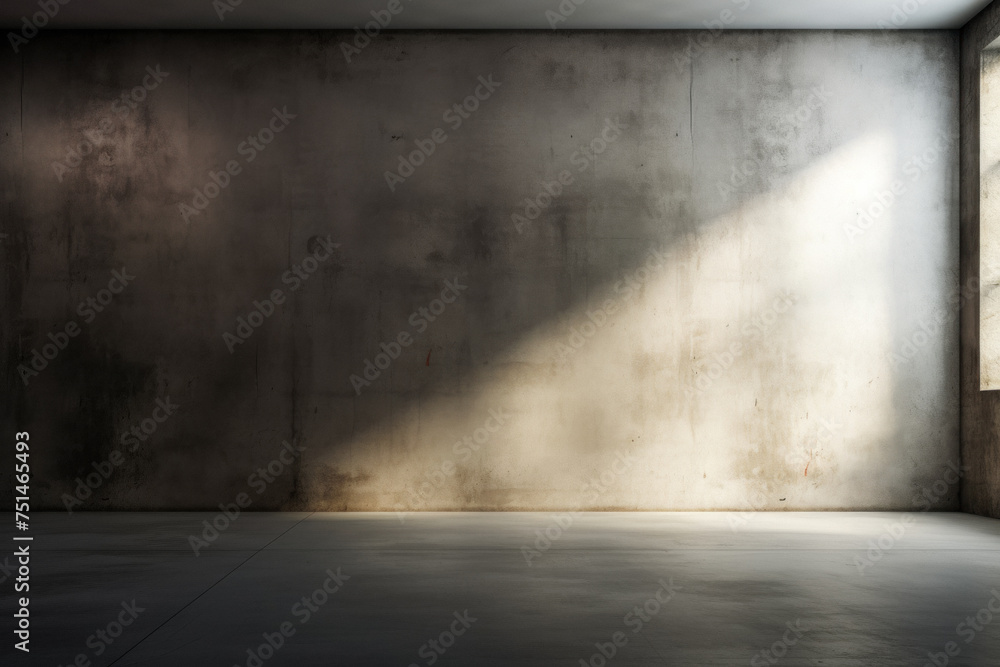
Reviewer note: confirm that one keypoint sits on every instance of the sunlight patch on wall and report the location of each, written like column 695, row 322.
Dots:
column 673, row 387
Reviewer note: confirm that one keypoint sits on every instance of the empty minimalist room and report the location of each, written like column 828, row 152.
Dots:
column 411, row 333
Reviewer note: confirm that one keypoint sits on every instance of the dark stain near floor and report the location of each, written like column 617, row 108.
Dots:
column 327, row 488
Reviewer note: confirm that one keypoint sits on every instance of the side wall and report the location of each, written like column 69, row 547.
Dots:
column 980, row 409
column 741, row 295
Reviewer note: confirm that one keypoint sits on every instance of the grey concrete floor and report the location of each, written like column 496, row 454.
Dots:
column 738, row 580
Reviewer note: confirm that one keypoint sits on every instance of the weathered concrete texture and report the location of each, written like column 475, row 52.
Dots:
column 723, row 309
column 989, row 234
column 980, row 409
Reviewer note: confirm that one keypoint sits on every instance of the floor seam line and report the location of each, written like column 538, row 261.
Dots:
column 656, row 651
column 204, row 592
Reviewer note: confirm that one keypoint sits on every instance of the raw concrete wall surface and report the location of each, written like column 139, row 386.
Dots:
column 627, row 271
column 980, row 409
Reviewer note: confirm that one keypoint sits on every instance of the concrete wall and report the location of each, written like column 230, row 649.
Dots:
column 980, row 409
column 728, row 303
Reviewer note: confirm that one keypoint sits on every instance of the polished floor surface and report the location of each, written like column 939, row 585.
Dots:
column 511, row 589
